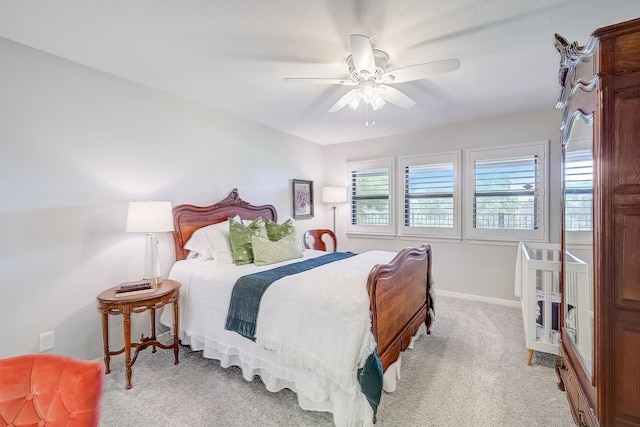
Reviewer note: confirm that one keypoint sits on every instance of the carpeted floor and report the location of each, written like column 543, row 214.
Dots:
column 471, row 371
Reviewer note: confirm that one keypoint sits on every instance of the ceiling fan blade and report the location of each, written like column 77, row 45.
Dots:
column 396, row 97
column 421, row 71
column 342, row 102
column 362, row 53
column 320, row 81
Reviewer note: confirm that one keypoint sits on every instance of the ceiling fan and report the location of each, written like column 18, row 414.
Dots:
column 367, row 71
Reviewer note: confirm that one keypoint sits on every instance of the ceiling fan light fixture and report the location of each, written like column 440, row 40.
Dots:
column 377, row 103
column 370, row 94
column 367, row 71
column 368, row 90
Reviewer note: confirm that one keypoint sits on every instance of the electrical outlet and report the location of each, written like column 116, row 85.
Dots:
column 47, row 341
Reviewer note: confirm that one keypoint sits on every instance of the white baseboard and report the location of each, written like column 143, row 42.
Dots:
column 489, row 300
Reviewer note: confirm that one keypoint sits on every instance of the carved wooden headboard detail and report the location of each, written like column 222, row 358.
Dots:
column 189, row 218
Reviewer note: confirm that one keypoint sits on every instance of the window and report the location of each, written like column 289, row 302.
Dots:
column 578, row 182
column 371, row 197
column 507, row 188
column 430, row 195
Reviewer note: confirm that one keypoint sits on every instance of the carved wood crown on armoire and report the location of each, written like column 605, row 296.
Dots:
column 599, row 364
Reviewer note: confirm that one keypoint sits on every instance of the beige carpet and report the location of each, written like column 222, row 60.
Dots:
column 471, row 371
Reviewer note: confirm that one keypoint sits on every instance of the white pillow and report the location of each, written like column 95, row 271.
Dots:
column 198, row 246
column 220, row 245
column 211, row 242
column 267, row 252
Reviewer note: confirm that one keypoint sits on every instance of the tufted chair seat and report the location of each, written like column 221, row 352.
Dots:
column 50, row 390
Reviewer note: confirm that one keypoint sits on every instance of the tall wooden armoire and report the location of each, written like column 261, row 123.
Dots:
column 601, row 93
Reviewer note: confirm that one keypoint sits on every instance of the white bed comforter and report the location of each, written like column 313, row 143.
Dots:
column 318, row 323
column 320, row 319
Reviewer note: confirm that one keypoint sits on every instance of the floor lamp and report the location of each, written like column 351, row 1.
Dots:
column 150, row 218
column 334, row 195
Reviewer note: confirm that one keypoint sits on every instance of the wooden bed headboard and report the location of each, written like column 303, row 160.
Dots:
column 189, row 218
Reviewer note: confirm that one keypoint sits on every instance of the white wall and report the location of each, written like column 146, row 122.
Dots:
column 76, row 145
column 485, row 270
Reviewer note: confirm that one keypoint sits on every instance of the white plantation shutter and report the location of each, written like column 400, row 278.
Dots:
column 370, row 197
column 430, row 195
column 508, row 193
column 505, row 193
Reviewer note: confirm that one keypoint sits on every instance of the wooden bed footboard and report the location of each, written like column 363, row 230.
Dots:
column 400, row 300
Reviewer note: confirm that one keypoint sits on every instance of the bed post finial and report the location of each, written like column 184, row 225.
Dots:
column 233, row 198
column 234, row 195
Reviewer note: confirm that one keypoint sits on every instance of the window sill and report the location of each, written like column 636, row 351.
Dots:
column 494, row 242
column 428, row 239
column 371, row 235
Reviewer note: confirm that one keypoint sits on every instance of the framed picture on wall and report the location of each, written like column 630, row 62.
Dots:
column 302, row 199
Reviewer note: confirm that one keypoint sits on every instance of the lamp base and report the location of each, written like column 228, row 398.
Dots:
column 151, row 261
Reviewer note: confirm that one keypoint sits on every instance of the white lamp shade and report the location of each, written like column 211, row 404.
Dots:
column 334, row 194
column 149, row 217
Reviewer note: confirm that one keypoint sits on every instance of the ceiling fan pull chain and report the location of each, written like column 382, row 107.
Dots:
column 373, row 116
column 366, row 117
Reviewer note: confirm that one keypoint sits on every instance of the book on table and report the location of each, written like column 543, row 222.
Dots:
column 126, row 289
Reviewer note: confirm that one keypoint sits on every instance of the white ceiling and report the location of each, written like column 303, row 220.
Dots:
column 233, row 54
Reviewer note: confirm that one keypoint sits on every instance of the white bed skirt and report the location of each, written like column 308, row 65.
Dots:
column 312, row 392
column 392, row 374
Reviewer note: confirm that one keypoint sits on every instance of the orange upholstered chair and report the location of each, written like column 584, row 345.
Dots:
column 313, row 239
column 50, row 390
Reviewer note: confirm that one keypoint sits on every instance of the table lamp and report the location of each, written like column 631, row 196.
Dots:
column 334, row 195
column 150, row 218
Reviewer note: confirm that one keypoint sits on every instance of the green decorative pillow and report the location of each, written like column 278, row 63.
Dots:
column 240, row 236
column 267, row 252
column 277, row 231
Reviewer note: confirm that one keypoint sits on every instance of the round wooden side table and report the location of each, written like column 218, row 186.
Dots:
column 167, row 292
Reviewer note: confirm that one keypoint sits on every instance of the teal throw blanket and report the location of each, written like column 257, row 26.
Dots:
column 248, row 291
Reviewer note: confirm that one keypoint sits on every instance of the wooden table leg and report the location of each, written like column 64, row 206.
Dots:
column 176, row 323
column 105, row 340
column 127, row 345
column 152, row 315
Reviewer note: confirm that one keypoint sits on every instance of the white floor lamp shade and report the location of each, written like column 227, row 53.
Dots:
column 334, row 195
column 150, row 218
